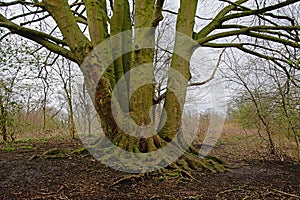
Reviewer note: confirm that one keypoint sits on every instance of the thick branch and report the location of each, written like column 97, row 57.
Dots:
column 76, row 40
column 267, row 29
column 55, row 48
column 263, row 27
column 247, row 31
column 97, row 20
column 41, row 38
column 217, row 20
column 4, row 22
column 143, row 13
column 274, row 39
column 176, row 92
column 157, row 14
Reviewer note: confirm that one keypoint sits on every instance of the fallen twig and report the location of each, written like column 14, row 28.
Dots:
column 287, row 194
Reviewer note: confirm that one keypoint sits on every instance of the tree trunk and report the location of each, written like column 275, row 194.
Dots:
column 116, row 58
column 3, row 120
column 72, row 127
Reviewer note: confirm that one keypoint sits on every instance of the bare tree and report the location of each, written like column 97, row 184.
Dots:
column 267, row 100
column 64, row 71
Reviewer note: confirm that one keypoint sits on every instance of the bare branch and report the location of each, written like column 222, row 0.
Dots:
column 36, row 20
column 22, row 2
column 241, row 46
column 213, row 73
column 258, row 11
column 26, row 14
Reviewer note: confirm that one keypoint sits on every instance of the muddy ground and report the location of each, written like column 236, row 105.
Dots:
column 80, row 176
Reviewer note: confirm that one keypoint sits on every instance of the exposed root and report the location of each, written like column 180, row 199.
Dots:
column 175, row 170
column 191, row 162
column 182, row 169
column 126, row 178
column 56, row 153
column 188, row 164
column 79, row 151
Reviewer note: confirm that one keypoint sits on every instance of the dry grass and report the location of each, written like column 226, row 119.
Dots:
column 243, row 145
column 234, row 142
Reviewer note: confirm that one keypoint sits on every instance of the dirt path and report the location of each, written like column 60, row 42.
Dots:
column 81, row 177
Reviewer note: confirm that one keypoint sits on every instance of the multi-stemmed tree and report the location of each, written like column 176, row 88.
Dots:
column 73, row 29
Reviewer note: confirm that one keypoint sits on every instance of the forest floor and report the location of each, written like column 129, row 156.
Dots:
column 254, row 174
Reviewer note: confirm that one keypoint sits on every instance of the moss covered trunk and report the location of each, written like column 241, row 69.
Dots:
column 133, row 99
